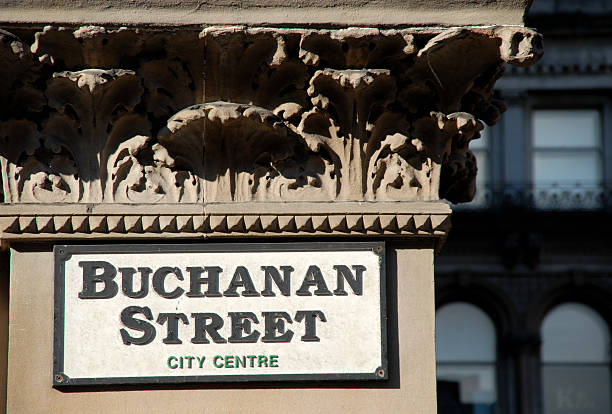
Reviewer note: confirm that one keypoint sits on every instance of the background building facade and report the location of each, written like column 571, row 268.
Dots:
column 524, row 282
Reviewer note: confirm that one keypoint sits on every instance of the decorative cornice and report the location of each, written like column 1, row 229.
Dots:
column 35, row 222
column 245, row 132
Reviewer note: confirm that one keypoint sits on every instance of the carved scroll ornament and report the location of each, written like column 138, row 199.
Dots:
column 98, row 115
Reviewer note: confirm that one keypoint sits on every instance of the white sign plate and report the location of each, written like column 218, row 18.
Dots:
column 132, row 314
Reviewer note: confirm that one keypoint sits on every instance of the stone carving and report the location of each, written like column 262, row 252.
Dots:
column 227, row 220
column 36, row 168
column 98, row 115
column 20, row 94
column 94, row 113
column 346, row 104
column 89, row 46
column 458, row 173
column 141, row 173
column 243, row 153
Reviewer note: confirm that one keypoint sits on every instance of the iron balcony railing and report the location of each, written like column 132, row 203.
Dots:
column 553, row 196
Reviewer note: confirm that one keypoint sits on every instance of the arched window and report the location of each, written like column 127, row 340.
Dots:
column 575, row 361
column 466, row 350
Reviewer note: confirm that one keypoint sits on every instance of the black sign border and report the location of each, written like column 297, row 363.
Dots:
column 63, row 252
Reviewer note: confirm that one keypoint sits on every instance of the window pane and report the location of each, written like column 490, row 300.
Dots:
column 476, row 384
column 482, row 142
column 566, row 128
column 480, row 149
column 466, row 360
column 576, row 389
column 482, row 161
column 573, row 332
column 567, row 167
column 464, row 333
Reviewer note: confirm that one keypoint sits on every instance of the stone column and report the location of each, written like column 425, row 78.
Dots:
column 241, row 133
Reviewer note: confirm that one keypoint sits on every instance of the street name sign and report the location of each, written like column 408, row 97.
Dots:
column 188, row 313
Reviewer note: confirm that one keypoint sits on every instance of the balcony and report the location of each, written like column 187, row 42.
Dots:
column 553, row 196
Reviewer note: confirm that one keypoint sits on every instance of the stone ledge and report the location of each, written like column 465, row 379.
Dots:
column 295, row 12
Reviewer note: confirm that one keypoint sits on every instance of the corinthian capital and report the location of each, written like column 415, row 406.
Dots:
column 250, row 114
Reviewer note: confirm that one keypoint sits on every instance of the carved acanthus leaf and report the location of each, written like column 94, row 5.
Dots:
column 243, row 153
column 458, row 174
column 347, row 105
column 141, row 173
column 87, row 46
column 36, row 168
column 113, row 115
column 18, row 76
column 94, row 115
column 399, row 165
column 356, row 48
column 275, row 74
column 93, row 79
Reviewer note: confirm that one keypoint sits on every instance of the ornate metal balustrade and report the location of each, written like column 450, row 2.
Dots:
column 543, row 196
